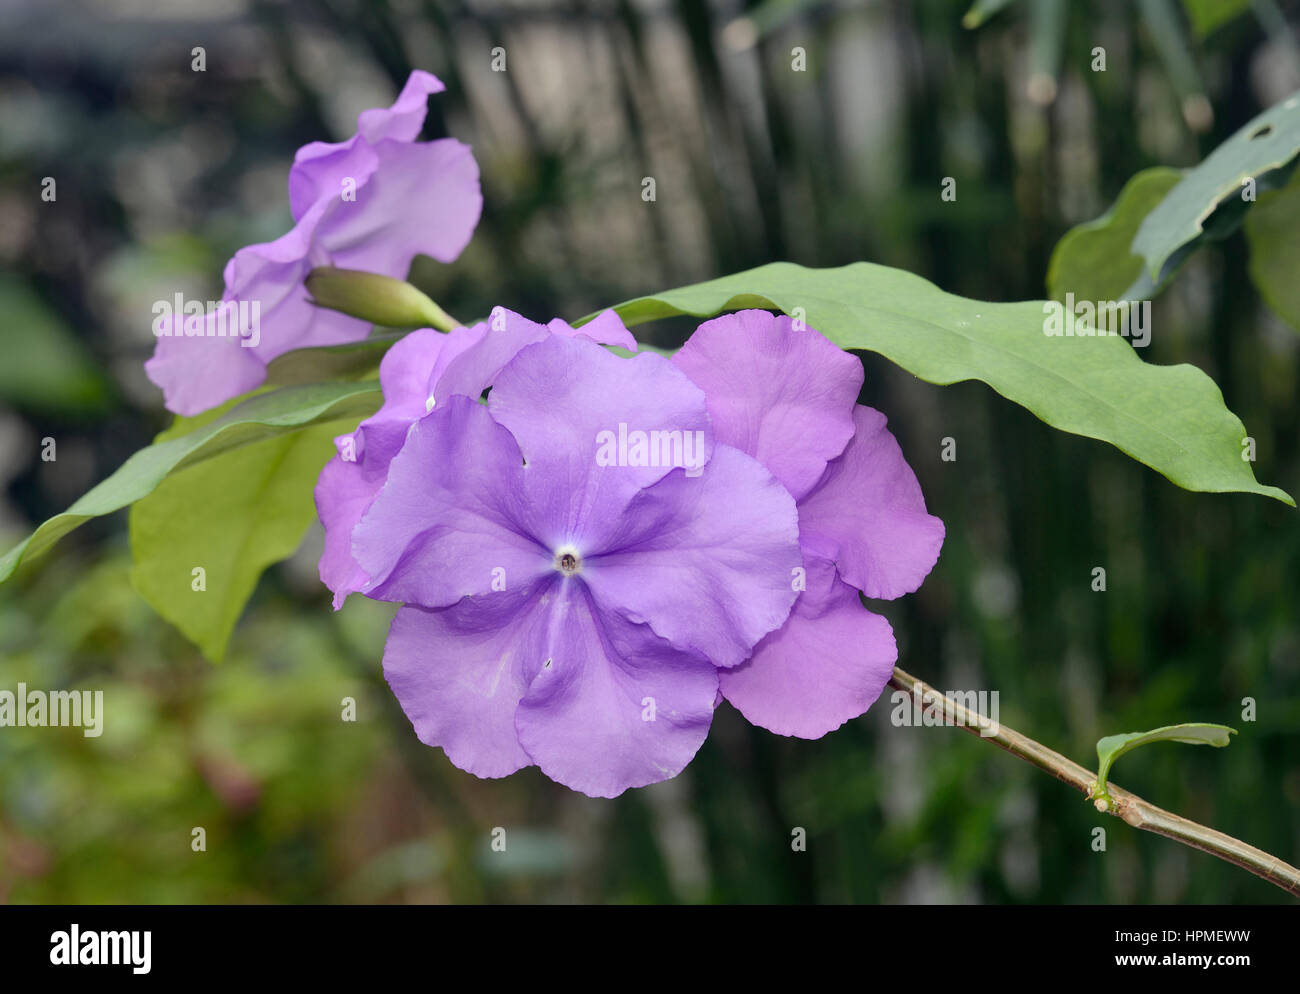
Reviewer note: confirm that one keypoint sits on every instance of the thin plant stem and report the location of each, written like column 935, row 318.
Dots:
column 1131, row 808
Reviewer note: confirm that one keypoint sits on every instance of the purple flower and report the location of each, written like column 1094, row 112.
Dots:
column 373, row 203
column 578, row 558
column 783, row 393
column 425, row 368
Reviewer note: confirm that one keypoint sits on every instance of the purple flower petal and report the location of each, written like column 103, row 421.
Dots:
column 270, row 277
column 422, row 369
column 404, row 119
column 423, row 198
column 352, row 480
column 453, row 519
column 320, row 168
column 404, row 375
column 825, row 666
column 481, row 351
column 323, row 171
column 570, row 398
column 780, row 393
column 460, row 672
column 867, row 513
column 343, row 492
column 606, row 328
column 199, row 372
column 613, row 705
column 406, row 198
column 707, row 562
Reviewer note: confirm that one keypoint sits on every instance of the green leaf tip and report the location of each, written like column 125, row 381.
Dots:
column 378, row 299
column 1171, row 418
column 1111, row 747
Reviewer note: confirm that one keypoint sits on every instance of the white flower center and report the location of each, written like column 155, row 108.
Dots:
column 567, row 561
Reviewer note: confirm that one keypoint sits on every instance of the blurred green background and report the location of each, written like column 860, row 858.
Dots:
column 163, row 172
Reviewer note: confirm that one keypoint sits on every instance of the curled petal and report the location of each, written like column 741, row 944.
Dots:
column 201, row 371
column 606, row 328
column 372, row 203
column 351, row 481
column 478, row 353
column 781, row 393
column 343, row 492
column 323, row 171
column 423, row 198
column 320, row 169
column 264, row 287
column 867, row 513
column 825, row 666
column 404, row 119
column 453, row 518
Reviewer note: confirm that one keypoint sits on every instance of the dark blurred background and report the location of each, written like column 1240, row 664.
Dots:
column 163, row 172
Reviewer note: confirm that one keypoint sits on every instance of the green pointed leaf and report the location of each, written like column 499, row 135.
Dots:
column 261, row 417
column 232, row 516
column 1093, row 261
column 1273, row 231
column 1112, row 747
column 1171, row 418
column 1265, row 150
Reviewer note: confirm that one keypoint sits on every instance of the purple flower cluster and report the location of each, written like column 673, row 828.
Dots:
column 594, row 557
column 373, row 203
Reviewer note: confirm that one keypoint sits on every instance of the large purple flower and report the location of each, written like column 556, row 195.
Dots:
column 373, row 203
column 783, row 393
column 422, row 370
column 578, row 558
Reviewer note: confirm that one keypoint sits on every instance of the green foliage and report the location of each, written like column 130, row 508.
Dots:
column 378, row 299
column 981, row 10
column 1273, row 231
column 259, row 418
column 1171, row 418
column 1263, row 151
column 1207, row 16
column 1112, row 747
column 1101, row 259
column 45, row 369
column 254, row 752
column 321, row 363
column 231, row 516
column 1200, row 608
column 1093, row 260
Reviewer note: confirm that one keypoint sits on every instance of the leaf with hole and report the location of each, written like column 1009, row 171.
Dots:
column 1264, row 151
